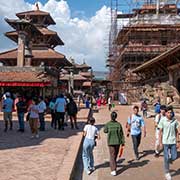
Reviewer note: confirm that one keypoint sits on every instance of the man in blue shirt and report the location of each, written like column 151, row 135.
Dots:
column 60, row 108
column 7, row 109
column 134, row 125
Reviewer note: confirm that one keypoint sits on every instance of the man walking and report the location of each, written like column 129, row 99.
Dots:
column 134, row 125
column 7, row 109
column 169, row 137
column 60, row 108
column 21, row 108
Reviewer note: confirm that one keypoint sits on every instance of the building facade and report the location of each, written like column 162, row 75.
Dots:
column 151, row 33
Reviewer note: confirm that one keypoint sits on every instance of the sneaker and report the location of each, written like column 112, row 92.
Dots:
column 113, row 173
column 92, row 169
column 37, row 135
column 168, row 176
column 88, row 172
column 156, row 155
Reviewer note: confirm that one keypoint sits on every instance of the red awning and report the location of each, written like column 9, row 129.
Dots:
column 29, row 84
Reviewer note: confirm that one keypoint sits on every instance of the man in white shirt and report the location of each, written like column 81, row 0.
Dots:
column 42, row 109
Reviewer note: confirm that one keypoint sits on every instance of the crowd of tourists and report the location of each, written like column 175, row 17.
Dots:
column 60, row 107
column 166, row 137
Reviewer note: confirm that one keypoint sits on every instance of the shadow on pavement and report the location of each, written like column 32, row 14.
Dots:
column 146, row 153
column 123, row 167
column 13, row 139
column 176, row 172
column 132, row 165
column 106, row 164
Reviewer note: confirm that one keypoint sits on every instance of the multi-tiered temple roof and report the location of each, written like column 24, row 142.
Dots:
column 43, row 40
column 34, row 62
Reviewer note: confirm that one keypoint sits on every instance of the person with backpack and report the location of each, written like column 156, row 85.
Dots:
column 115, row 137
column 169, row 139
column 144, row 108
column 134, row 126
column 158, row 118
column 90, row 132
column 72, row 112
column 157, row 106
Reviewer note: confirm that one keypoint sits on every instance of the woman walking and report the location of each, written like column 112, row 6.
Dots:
column 115, row 138
column 89, row 132
column 34, row 117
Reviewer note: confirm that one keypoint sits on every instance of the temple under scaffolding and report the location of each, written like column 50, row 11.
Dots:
column 144, row 50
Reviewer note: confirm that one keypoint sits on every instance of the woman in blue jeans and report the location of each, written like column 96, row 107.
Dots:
column 89, row 132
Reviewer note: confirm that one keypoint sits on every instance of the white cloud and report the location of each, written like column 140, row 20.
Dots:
column 83, row 38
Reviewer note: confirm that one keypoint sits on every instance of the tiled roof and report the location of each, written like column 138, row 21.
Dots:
column 31, row 13
column 56, row 40
column 87, row 84
column 84, row 65
column 37, row 54
column 46, row 31
column 23, row 77
column 36, row 13
column 86, row 74
column 77, row 77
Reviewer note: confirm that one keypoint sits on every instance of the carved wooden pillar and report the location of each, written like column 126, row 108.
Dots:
column 28, row 54
column 21, row 45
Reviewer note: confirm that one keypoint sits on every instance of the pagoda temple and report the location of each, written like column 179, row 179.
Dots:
column 34, row 65
column 77, row 77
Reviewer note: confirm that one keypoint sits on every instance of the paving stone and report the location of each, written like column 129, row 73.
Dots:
column 22, row 158
column 147, row 168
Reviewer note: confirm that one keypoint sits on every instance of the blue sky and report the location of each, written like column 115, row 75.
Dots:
column 86, row 8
